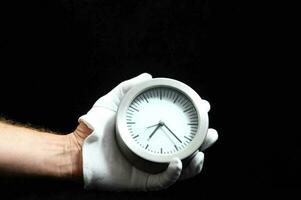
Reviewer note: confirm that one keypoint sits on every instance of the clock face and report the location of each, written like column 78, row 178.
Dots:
column 162, row 120
column 158, row 120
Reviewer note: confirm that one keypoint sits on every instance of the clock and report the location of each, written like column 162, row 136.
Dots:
column 158, row 120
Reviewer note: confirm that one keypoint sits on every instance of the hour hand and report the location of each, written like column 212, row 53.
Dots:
column 158, row 126
column 150, row 127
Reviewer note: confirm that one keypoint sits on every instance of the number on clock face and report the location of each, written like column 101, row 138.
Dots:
column 162, row 120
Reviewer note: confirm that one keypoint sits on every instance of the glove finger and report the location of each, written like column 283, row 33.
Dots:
column 125, row 86
column 210, row 139
column 166, row 178
column 194, row 167
column 119, row 91
column 206, row 104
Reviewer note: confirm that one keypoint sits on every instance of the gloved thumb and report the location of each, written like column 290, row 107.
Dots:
column 111, row 101
column 113, row 98
column 166, row 178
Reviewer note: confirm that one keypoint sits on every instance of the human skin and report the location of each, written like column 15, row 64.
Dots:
column 25, row 151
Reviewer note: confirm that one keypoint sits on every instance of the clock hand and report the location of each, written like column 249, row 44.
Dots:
column 158, row 126
column 168, row 136
column 172, row 132
column 151, row 126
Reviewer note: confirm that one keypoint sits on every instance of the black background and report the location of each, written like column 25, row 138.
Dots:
column 59, row 57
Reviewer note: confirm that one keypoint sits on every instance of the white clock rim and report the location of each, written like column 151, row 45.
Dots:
column 195, row 99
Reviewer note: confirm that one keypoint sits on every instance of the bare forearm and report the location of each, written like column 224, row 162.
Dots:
column 25, row 151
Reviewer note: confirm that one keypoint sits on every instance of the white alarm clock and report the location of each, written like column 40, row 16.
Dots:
column 159, row 120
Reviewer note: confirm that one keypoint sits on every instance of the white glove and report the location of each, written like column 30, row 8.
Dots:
column 104, row 167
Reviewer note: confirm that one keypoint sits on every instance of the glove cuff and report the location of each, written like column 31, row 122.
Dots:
column 91, row 152
column 93, row 118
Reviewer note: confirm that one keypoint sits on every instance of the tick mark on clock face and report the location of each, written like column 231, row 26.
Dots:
column 176, row 99
column 187, row 138
column 188, row 109
column 192, row 124
column 134, row 108
column 145, row 98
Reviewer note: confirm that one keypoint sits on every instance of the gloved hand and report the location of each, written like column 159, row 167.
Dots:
column 104, row 167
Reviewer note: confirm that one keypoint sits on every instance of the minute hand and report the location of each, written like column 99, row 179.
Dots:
column 172, row 133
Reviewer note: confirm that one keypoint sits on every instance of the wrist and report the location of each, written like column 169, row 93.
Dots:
column 66, row 162
column 72, row 161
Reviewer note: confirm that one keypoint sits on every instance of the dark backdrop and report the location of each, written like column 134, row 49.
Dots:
column 59, row 57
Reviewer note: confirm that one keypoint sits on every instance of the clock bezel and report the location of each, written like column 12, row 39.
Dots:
column 126, row 139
